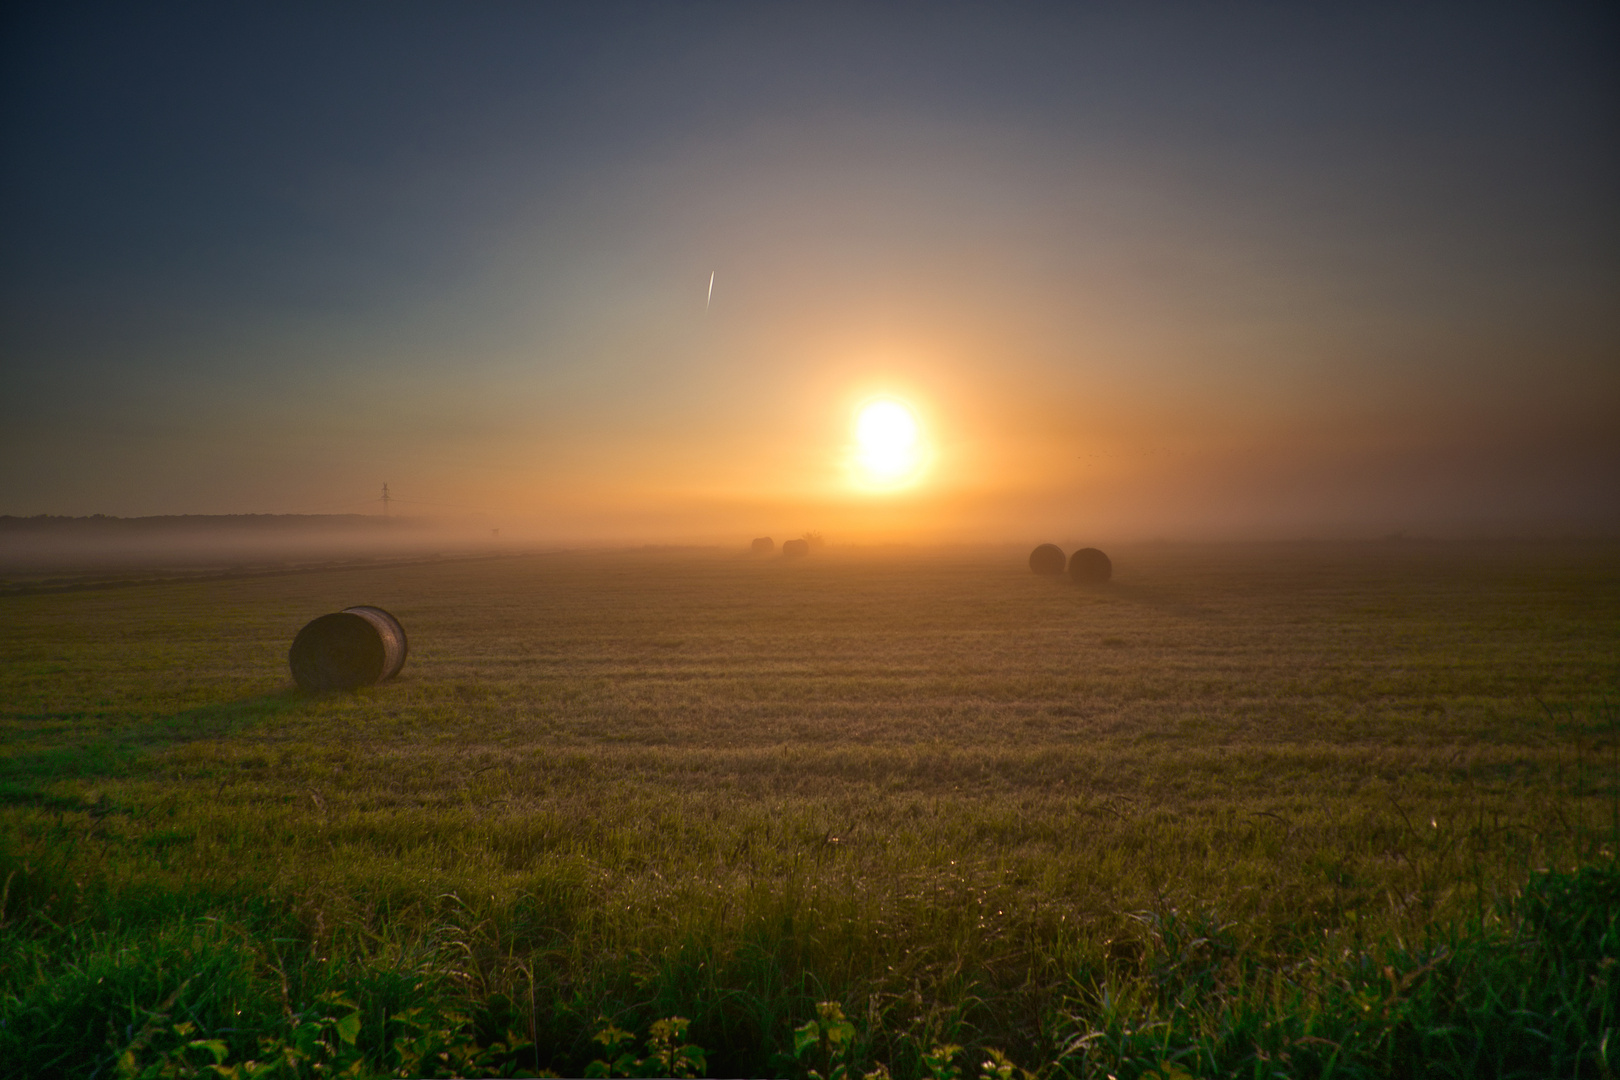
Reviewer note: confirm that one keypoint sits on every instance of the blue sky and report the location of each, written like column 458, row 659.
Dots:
column 1147, row 269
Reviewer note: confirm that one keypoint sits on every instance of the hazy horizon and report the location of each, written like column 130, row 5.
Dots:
column 98, row 545
column 1136, row 272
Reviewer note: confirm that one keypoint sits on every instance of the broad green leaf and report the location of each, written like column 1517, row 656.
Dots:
column 215, row 1047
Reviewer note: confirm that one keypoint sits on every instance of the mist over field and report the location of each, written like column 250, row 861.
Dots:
column 33, row 546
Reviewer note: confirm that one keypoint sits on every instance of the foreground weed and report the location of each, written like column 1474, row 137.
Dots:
column 323, row 1041
column 186, row 1060
column 941, row 1062
column 666, row 1054
column 1532, row 992
column 997, row 1066
column 825, row 1047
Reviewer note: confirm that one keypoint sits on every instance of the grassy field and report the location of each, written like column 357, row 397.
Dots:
column 1287, row 810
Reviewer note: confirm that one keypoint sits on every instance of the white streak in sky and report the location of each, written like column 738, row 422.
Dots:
column 710, row 300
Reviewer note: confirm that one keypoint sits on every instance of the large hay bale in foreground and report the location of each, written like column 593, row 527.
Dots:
column 763, row 545
column 1090, row 566
column 1047, row 559
column 357, row 646
column 795, row 549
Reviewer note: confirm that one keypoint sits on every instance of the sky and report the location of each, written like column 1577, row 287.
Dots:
column 1133, row 271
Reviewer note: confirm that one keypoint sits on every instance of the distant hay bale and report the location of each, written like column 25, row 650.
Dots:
column 1090, row 566
column 795, row 549
column 764, row 545
column 1047, row 559
column 357, row 646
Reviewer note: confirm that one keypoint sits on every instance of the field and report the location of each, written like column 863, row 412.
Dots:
column 1293, row 810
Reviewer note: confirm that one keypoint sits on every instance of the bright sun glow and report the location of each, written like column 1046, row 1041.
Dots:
column 888, row 450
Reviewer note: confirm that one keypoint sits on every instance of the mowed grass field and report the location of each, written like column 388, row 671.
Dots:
column 1241, row 807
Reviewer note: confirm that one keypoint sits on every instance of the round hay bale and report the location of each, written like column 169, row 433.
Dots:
column 1047, row 559
column 1090, row 566
column 764, row 545
column 795, row 549
column 357, row 646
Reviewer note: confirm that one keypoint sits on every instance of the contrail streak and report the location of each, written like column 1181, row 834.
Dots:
column 710, row 300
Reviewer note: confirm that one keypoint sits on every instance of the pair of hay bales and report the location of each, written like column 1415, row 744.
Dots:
column 357, row 646
column 1087, row 566
column 791, row 549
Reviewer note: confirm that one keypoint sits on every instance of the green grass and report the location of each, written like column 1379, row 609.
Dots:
column 1270, row 809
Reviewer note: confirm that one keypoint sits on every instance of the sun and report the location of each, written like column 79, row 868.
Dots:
column 888, row 443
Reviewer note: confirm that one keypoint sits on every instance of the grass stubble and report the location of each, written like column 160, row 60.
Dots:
column 1293, row 810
